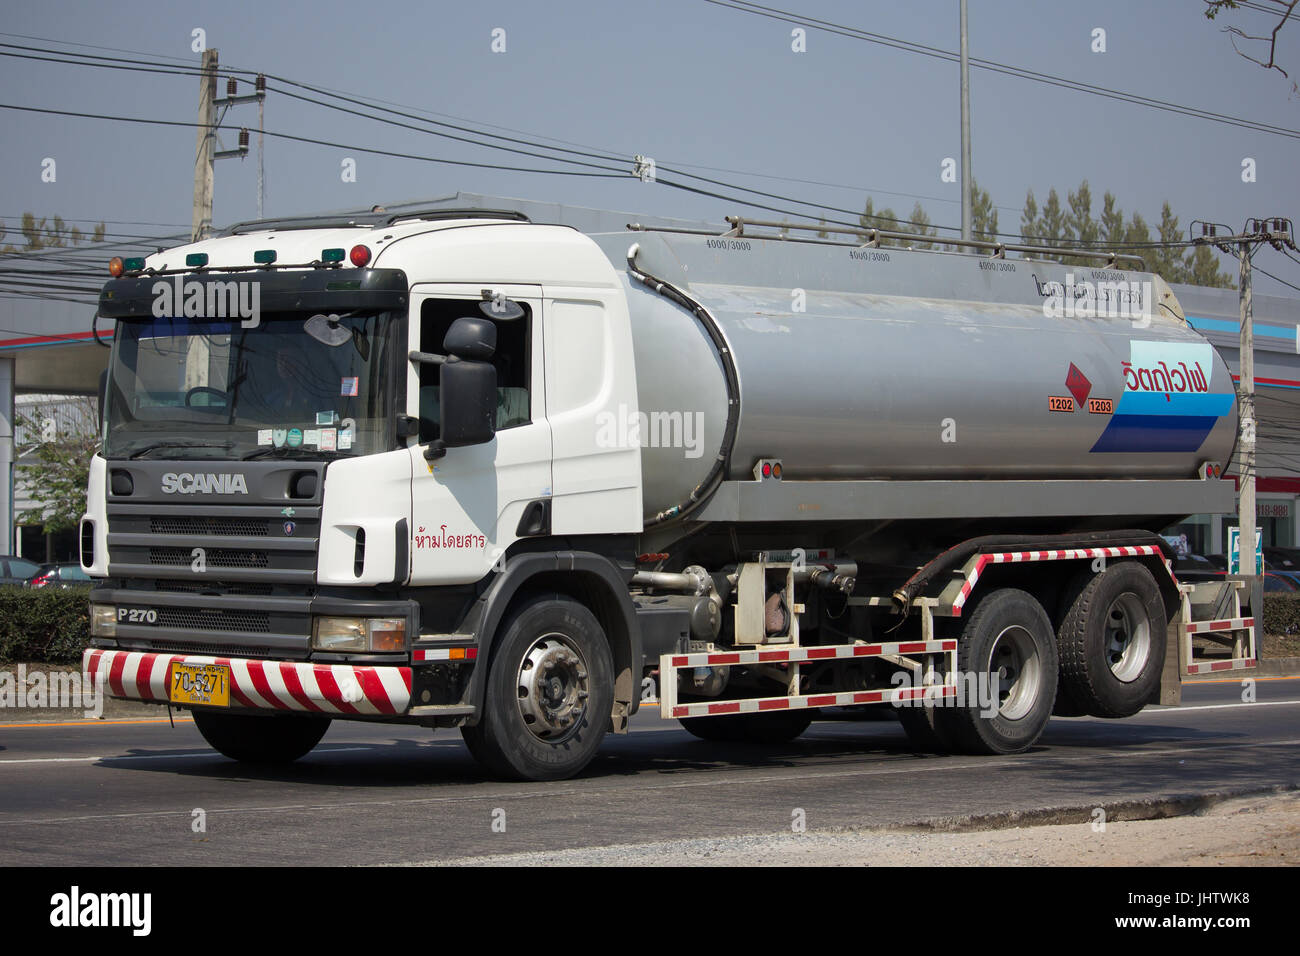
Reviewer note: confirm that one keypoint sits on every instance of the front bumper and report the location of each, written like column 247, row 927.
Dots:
column 346, row 690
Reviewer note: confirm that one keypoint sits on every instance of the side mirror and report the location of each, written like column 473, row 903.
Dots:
column 468, row 391
column 467, row 386
column 471, row 338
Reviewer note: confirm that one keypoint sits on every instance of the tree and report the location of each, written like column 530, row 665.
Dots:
column 1284, row 7
column 1029, row 218
column 983, row 214
column 922, row 227
column 42, row 234
column 1053, row 225
column 870, row 219
column 66, row 436
column 1112, row 221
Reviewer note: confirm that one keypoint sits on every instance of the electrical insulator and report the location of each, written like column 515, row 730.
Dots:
column 232, row 86
column 260, row 83
column 243, row 138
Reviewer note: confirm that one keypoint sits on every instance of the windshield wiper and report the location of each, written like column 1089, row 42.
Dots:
column 178, row 443
column 285, row 451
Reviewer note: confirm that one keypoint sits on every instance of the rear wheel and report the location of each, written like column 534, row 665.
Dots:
column 927, row 728
column 1112, row 641
column 253, row 738
column 549, row 693
column 1006, row 658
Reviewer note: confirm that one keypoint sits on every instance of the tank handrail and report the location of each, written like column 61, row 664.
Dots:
column 873, row 237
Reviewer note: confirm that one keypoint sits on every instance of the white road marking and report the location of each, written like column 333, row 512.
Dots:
column 1258, row 703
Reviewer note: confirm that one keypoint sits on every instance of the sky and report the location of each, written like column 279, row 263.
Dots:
column 698, row 86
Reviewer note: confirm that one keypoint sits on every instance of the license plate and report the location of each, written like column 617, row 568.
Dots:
column 207, row 684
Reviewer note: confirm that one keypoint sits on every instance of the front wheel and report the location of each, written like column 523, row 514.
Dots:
column 253, row 738
column 549, row 693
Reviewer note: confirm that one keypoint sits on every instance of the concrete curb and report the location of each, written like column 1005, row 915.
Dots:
column 1145, row 808
column 1266, row 667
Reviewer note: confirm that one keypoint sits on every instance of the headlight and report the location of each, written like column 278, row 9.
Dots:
column 359, row 635
column 103, row 620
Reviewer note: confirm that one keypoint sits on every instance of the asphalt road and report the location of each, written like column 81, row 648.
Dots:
column 111, row 793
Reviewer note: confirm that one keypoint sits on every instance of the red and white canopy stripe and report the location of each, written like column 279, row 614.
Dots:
column 358, row 690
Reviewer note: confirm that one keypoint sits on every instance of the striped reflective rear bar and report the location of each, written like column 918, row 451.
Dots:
column 1205, row 667
column 1065, row 554
column 795, row 655
column 1228, row 624
column 846, row 699
column 445, row 654
column 345, row 689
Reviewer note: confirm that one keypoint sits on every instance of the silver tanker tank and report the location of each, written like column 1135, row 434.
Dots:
column 861, row 363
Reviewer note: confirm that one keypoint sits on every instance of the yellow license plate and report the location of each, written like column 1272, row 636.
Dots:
column 207, row 684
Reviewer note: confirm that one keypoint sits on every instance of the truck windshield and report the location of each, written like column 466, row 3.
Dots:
column 294, row 385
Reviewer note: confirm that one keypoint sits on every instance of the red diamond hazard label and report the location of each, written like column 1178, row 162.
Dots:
column 1078, row 385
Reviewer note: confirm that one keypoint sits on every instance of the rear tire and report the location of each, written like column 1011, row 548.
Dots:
column 1009, row 646
column 927, row 729
column 549, row 693
column 1112, row 642
column 253, row 738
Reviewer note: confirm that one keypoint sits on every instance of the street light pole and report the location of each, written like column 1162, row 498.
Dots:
column 965, row 133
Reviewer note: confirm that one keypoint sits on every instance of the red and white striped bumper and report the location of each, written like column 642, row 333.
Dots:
column 344, row 689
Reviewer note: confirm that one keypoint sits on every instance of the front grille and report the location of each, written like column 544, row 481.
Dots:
column 206, row 524
column 214, row 557
column 189, row 619
column 185, row 587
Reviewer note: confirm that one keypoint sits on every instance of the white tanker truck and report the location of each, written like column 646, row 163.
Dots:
column 460, row 468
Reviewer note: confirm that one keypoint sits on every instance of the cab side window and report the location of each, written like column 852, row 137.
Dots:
column 512, row 360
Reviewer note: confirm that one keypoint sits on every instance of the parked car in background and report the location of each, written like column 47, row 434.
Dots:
column 59, row 576
column 1195, row 567
column 16, row 571
column 1282, row 559
column 1274, row 582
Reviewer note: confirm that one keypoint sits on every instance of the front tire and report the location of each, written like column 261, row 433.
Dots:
column 1009, row 647
column 267, row 740
column 549, row 693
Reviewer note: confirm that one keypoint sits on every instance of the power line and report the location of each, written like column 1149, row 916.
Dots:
column 315, row 142
column 602, row 155
column 115, row 63
column 614, row 172
column 743, row 6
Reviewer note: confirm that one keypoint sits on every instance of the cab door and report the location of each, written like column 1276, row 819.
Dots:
column 471, row 504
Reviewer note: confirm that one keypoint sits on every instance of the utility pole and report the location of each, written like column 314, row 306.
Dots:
column 965, row 133
column 1277, row 233
column 1246, row 399
column 201, row 223
column 261, row 129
